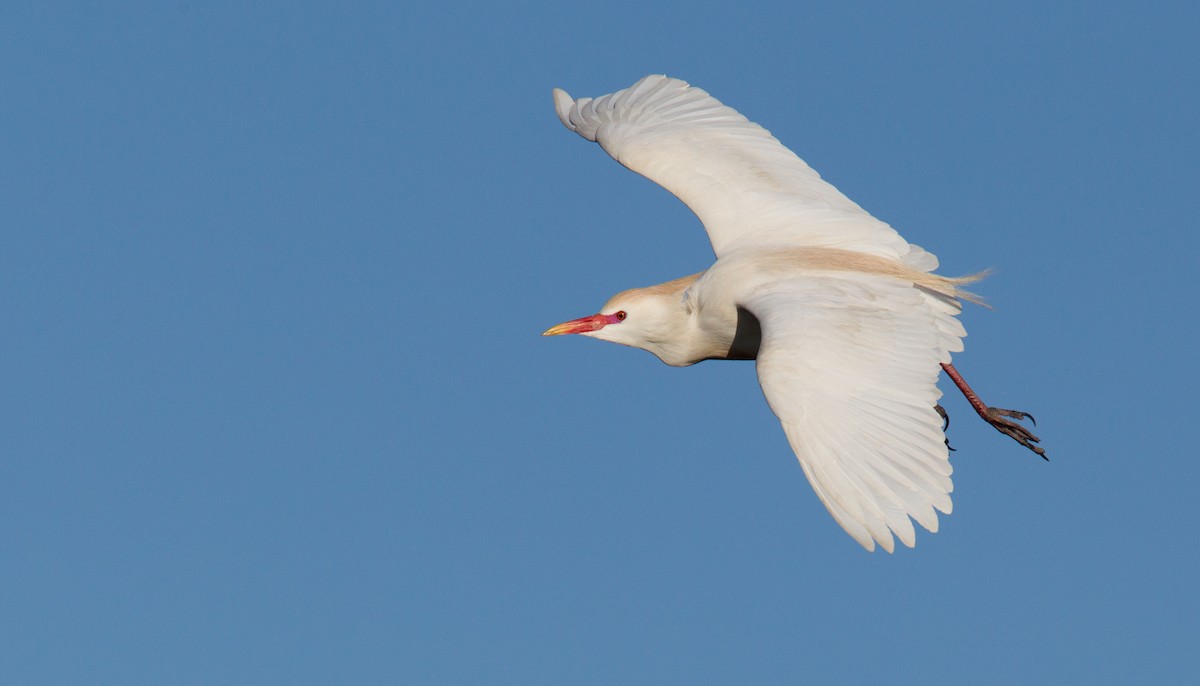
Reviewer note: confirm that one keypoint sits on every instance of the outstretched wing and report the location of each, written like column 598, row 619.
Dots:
column 745, row 186
column 849, row 363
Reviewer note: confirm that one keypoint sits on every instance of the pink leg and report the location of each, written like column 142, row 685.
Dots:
column 997, row 417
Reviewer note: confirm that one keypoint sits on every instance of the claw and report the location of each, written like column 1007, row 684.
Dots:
column 996, row 416
column 945, row 425
column 946, row 416
column 1015, row 414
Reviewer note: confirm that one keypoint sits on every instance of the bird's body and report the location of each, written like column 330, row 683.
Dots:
column 847, row 321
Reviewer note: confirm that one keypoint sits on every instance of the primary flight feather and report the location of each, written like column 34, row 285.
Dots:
column 849, row 326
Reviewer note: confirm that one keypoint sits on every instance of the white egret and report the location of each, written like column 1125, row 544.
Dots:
column 848, row 323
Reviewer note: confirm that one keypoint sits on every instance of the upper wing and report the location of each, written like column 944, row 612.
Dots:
column 849, row 363
column 745, row 186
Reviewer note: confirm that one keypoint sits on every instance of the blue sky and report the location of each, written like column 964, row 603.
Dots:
column 275, row 408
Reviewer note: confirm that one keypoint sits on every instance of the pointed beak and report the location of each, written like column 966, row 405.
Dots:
column 581, row 325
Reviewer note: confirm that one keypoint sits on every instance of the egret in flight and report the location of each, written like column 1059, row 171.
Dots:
column 848, row 323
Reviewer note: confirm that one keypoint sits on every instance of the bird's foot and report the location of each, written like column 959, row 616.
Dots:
column 998, row 417
column 1002, row 420
column 945, row 425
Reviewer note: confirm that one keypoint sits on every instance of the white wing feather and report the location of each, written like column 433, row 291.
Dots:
column 743, row 184
column 849, row 364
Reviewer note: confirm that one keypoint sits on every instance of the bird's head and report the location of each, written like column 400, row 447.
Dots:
column 645, row 318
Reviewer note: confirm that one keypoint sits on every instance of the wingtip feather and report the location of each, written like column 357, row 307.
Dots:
column 563, row 103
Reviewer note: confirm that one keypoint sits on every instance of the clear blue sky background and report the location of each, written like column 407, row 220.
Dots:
column 275, row 409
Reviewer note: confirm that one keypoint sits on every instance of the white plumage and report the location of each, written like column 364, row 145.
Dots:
column 853, row 324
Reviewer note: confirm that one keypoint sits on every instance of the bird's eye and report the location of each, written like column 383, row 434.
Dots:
column 621, row 315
